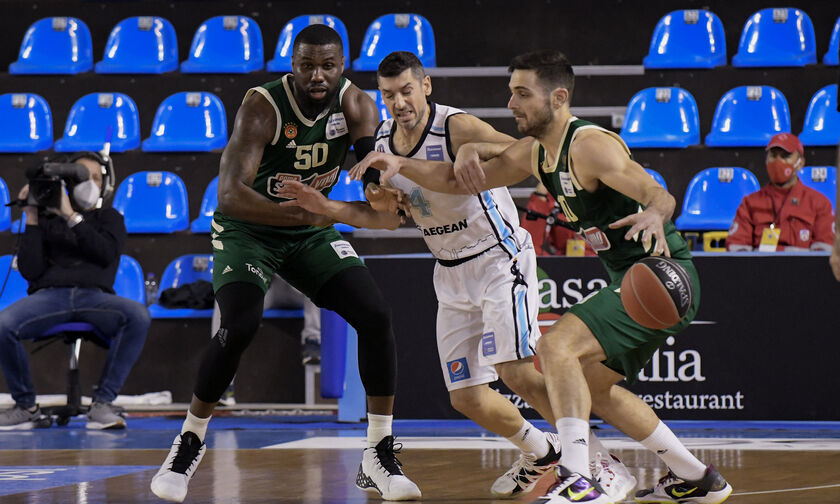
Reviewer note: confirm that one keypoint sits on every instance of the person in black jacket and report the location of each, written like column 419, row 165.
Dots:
column 69, row 255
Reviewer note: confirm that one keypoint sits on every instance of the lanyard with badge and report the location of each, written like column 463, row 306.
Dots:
column 770, row 236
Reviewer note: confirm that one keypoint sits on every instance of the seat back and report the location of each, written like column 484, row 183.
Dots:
column 141, row 44
column 380, row 104
column 397, row 32
column 822, row 120
column 226, row 44
column 187, row 269
column 5, row 212
column 748, row 116
column 55, row 45
column 657, row 177
column 661, row 117
column 821, row 178
column 16, row 285
column 188, row 122
column 831, row 56
column 97, row 118
column 777, row 37
column 347, row 189
column 27, row 123
column 687, row 39
column 209, row 202
column 153, row 202
column 129, row 282
column 282, row 61
column 713, row 196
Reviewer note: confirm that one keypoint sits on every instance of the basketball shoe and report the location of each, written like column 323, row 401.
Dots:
column 711, row 489
column 525, row 472
column 380, row 472
column 171, row 481
column 572, row 487
column 612, row 475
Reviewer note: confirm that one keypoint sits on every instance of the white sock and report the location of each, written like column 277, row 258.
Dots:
column 664, row 443
column 574, row 441
column 596, row 446
column 196, row 425
column 379, row 426
column 529, row 439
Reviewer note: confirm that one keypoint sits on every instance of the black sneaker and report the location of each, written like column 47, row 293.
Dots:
column 381, row 472
column 711, row 489
column 171, row 481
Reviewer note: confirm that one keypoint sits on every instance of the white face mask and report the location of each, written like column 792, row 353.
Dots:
column 86, row 194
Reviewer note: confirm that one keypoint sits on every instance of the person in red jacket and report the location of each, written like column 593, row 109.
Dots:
column 785, row 214
column 549, row 239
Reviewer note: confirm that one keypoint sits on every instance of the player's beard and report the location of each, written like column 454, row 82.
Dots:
column 541, row 122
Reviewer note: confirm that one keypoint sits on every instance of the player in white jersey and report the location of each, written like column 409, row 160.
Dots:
column 485, row 277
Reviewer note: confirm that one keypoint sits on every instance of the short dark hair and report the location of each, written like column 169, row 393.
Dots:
column 318, row 34
column 398, row 62
column 552, row 67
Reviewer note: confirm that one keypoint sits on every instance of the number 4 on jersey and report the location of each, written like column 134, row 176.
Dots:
column 418, row 201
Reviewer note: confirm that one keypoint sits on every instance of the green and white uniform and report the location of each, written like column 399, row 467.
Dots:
column 628, row 345
column 309, row 151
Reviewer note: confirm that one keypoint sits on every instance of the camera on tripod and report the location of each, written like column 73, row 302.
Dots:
column 47, row 180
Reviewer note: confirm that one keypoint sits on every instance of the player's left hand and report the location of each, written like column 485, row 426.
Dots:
column 650, row 224
column 389, row 164
column 386, row 199
column 304, row 196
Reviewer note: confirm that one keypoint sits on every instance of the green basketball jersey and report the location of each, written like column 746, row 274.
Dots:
column 593, row 212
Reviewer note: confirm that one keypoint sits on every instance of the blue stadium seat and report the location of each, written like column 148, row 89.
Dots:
column 663, row 118
column 184, row 270
column 377, row 97
column 153, row 202
column 831, row 56
column 16, row 285
column 748, row 116
column 687, row 39
column 226, row 44
column 822, row 120
column 777, row 37
column 142, row 45
column 19, row 225
column 5, row 212
column 55, row 45
column 188, row 122
column 129, row 282
column 209, row 202
column 98, row 117
column 397, row 32
column 347, row 190
column 27, row 123
column 712, row 198
column 282, row 61
column 657, row 177
column 821, row 178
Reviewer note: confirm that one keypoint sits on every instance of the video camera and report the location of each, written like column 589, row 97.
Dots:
column 45, row 182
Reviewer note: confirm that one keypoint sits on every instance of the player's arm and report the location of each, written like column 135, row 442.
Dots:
column 355, row 213
column 254, row 128
column 484, row 165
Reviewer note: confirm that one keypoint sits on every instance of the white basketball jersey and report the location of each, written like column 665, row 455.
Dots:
column 454, row 225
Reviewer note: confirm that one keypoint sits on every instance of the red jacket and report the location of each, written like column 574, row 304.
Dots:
column 551, row 241
column 802, row 215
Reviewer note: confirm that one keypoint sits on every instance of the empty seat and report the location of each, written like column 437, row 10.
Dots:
column 55, row 45
column 661, row 117
column 777, row 37
column 184, row 270
column 822, row 120
column 16, row 285
column 5, row 212
column 153, row 202
column 657, row 177
column 821, row 178
column 226, row 44
column 188, row 122
column 209, row 202
column 27, row 123
column 397, row 32
column 687, row 39
column 748, row 116
column 377, row 97
column 282, row 61
column 100, row 117
column 347, row 189
column 144, row 44
column 831, row 56
column 129, row 282
column 712, row 198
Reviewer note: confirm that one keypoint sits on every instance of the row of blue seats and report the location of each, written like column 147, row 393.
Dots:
column 222, row 44
column 773, row 37
column 746, row 116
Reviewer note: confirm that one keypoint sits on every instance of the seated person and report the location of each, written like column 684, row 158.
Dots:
column 69, row 254
column 785, row 214
column 549, row 239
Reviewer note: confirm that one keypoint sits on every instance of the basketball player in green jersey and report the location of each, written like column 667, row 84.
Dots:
column 299, row 128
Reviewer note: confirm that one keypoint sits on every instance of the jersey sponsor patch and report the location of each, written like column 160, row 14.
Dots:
column 488, row 344
column 343, row 249
column 290, row 130
column 256, row 270
column 566, row 184
column 596, row 239
column 434, row 152
column 336, row 126
column 458, row 370
column 804, row 234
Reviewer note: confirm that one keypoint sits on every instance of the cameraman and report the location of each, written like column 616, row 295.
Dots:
column 69, row 254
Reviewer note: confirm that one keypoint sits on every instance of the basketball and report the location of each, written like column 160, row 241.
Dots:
column 656, row 292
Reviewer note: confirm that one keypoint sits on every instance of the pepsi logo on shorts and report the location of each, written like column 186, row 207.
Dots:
column 458, row 369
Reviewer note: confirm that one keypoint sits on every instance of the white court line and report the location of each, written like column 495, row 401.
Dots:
column 788, row 490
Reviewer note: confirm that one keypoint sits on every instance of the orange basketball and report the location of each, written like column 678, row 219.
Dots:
column 656, row 292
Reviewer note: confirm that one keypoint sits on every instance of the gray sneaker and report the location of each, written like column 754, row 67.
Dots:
column 20, row 418
column 105, row 416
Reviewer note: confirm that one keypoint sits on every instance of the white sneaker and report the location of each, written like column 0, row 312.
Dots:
column 380, row 472
column 525, row 472
column 612, row 475
column 171, row 481
column 572, row 487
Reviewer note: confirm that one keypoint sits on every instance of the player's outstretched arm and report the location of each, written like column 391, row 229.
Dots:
column 253, row 129
column 435, row 175
column 356, row 213
column 484, row 165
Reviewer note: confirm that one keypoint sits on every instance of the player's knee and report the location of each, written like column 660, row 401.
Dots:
column 521, row 377
column 466, row 401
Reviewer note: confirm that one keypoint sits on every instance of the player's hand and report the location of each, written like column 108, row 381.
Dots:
column 468, row 171
column 834, row 260
column 386, row 199
column 650, row 224
column 304, row 196
column 389, row 164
